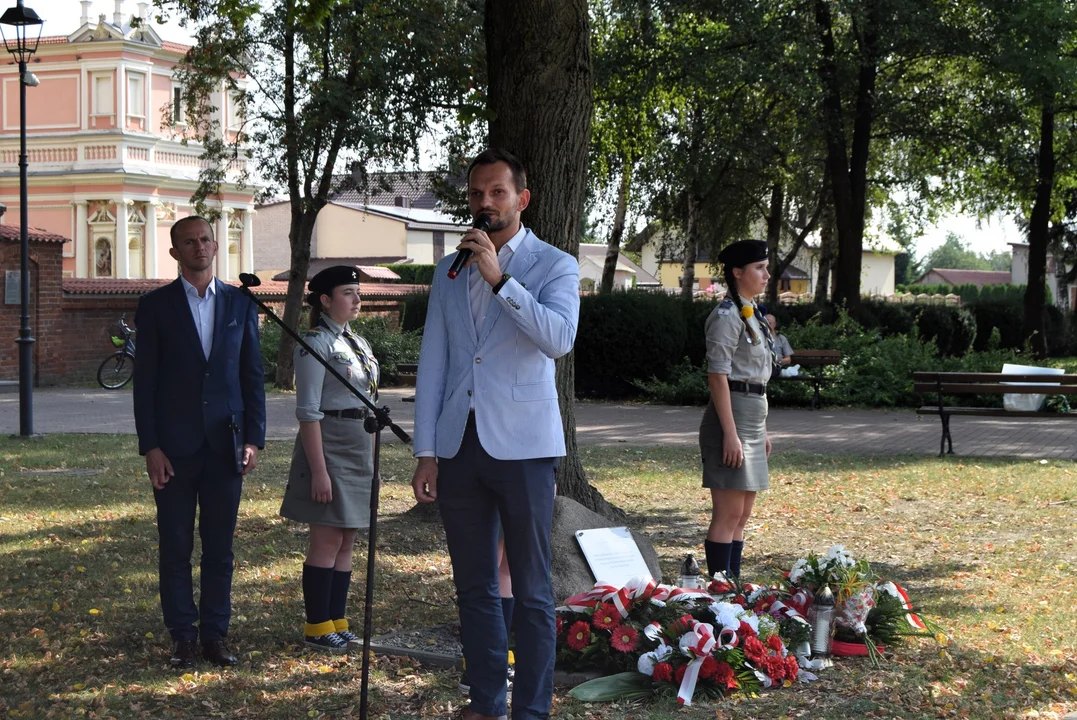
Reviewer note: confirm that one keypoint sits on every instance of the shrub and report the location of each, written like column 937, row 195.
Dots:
column 413, row 274
column 413, row 316
column 686, row 385
column 695, row 323
column 626, row 336
column 953, row 329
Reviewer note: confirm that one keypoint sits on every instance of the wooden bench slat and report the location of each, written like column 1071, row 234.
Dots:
column 991, row 412
column 932, row 377
column 997, row 389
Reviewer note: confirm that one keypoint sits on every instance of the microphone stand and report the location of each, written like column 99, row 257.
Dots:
column 374, row 423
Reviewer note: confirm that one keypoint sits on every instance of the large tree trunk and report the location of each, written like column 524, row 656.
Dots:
column 538, row 58
column 1035, row 330
column 775, row 219
column 613, row 247
column 302, row 228
column 847, row 287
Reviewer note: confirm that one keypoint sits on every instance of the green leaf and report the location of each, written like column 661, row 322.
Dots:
column 622, row 686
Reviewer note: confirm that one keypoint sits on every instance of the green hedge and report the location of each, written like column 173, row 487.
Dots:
column 413, row 316
column 413, row 274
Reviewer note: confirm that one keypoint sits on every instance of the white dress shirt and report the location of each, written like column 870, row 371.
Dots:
column 203, row 311
column 480, row 290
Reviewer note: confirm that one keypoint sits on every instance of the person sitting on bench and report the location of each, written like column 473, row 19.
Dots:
column 783, row 350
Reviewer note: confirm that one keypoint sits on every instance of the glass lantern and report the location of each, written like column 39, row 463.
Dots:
column 821, row 618
column 689, row 577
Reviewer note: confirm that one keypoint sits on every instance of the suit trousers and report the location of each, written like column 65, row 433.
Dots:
column 209, row 482
column 476, row 493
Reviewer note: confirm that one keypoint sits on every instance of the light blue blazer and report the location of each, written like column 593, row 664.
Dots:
column 507, row 366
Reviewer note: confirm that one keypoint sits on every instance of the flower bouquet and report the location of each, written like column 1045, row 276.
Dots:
column 871, row 612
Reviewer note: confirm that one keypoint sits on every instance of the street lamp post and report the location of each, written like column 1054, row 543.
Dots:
column 23, row 45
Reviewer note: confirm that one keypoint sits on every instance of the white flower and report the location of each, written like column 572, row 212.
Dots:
column 889, row 588
column 799, row 568
column 757, row 593
column 767, row 625
column 752, row 620
column 646, row 663
column 663, row 652
column 727, row 614
column 838, row 555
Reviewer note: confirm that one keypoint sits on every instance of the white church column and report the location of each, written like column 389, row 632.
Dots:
column 82, row 242
column 222, row 243
column 246, row 250
column 120, row 252
column 151, row 239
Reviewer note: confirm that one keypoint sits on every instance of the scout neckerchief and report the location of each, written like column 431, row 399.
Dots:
column 765, row 327
column 364, row 360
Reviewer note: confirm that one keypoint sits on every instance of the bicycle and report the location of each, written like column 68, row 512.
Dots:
column 118, row 368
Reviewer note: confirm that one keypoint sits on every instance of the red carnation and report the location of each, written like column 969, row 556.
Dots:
column 792, row 667
column 579, row 635
column 754, row 650
column 723, row 676
column 775, row 667
column 745, row 630
column 717, row 587
column 739, row 600
column 663, row 672
column 678, row 674
column 775, row 643
column 624, row 638
column 708, row 667
column 606, row 617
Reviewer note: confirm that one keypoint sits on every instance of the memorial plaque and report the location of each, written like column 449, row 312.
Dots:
column 12, row 287
column 612, row 555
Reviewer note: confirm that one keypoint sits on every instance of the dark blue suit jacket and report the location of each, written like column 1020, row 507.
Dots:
column 181, row 399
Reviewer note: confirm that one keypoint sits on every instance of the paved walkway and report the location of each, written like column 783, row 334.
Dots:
column 827, row 432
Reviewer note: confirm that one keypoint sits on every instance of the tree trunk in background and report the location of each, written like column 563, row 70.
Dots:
column 541, row 95
column 1035, row 330
column 774, row 236
column 691, row 247
column 613, row 247
column 826, row 255
column 302, row 228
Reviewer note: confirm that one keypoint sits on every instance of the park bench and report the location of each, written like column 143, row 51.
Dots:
column 815, row 361
column 406, row 373
column 942, row 384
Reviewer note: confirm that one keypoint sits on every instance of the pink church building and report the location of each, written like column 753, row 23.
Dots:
column 107, row 168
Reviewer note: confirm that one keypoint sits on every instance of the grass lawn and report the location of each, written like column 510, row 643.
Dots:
column 987, row 548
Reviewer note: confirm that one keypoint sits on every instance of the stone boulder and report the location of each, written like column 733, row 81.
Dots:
column 569, row 568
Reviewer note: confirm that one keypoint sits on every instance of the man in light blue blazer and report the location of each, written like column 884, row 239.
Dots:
column 488, row 431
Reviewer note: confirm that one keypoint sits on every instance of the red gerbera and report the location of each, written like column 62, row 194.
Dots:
column 763, row 604
column 624, row 638
column 754, row 650
column 775, row 643
column 606, row 617
column 745, row 630
column 723, row 675
column 579, row 635
column 792, row 667
column 663, row 672
column 678, row 674
column 775, row 667
column 708, row 667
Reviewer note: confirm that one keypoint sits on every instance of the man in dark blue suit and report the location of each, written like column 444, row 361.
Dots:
column 201, row 418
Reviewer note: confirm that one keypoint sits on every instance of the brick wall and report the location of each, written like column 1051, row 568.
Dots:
column 46, row 271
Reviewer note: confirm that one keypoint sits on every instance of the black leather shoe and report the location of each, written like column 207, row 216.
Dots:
column 183, row 654
column 218, row 653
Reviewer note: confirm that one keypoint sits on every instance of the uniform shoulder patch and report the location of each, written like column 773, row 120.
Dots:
column 725, row 307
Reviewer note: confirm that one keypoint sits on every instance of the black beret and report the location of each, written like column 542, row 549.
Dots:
column 743, row 252
column 324, row 282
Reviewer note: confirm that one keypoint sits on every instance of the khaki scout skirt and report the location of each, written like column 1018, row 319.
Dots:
column 750, row 416
column 349, row 460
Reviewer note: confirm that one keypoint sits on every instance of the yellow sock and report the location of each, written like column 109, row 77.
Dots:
column 319, row 629
column 340, row 625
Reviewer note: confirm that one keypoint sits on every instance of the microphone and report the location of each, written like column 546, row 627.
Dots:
column 249, row 280
column 482, row 222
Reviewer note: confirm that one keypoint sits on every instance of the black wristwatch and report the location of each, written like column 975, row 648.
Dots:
column 504, row 279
